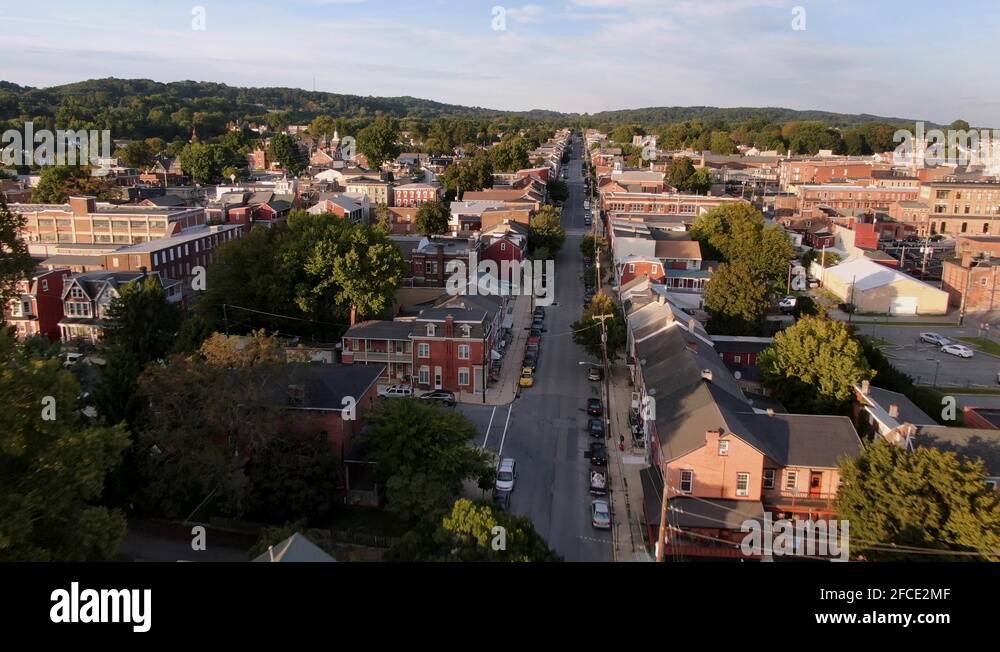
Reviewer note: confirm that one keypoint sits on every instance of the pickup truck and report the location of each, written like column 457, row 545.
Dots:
column 598, row 482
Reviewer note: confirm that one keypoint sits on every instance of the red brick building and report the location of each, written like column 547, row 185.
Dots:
column 38, row 306
column 413, row 195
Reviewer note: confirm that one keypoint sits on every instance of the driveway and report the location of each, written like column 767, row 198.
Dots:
column 925, row 361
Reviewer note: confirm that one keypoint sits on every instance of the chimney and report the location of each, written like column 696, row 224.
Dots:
column 449, row 326
column 865, row 387
column 967, row 260
column 82, row 206
column 770, row 412
column 707, row 375
column 894, row 411
column 692, row 323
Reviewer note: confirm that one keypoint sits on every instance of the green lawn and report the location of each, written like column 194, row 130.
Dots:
column 983, row 344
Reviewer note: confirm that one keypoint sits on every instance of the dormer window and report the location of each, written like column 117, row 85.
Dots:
column 430, row 330
column 76, row 293
column 466, row 330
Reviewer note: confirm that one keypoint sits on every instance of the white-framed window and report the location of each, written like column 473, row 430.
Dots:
column 430, row 330
column 463, row 351
column 742, row 484
column 424, row 376
column 723, row 447
column 463, row 376
column 737, row 359
column 76, row 293
column 156, row 260
column 503, row 246
column 687, row 481
column 466, row 330
column 45, row 285
column 791, row 479
column 423, row 350
column 769, row 478
column 631, row 268
column 114, row 262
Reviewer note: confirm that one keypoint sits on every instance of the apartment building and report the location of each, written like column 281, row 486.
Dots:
column 176, row 256
column 414, row 195
column 962, row 207
column 378, row 190
column 87, row 297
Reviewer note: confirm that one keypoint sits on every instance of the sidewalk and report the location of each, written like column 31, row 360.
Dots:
column 624, row 466
column 505, row 390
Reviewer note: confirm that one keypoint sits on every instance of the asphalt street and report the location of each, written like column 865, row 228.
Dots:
column 544, row 429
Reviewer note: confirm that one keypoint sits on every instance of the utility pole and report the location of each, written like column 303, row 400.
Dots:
column 225, row 318
column 662, row 537
column 607, row 389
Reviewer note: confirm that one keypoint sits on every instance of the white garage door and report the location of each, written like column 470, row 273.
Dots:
column 903, row 306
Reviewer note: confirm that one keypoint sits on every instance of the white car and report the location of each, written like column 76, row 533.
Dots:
column 788, row 303
column 586, row 205
column 934, row 338
column 960, row 350
column 600, row 514
column 70, row 359
column 396, row 391
column 506, row 474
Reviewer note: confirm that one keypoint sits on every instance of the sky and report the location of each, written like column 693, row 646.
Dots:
column 896, row 58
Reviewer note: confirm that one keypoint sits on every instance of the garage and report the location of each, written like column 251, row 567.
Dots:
column 903, row 306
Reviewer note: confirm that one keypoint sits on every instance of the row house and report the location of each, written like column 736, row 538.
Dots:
column 615, row 203
column 507, row 241
column 340, row 206
column 722, row 460
column 449, row 346
column 811, row 171
column 958, row 207
column 512, row 197
column 849, row 199
column 429, row 259
column 817, row 232
column 642, row 181
column 402, row 220
column 467, row 216
column 37, row 306
column 87, row 297
column 414, row 195
column 379, row 191
column 85, row 221
column 177, row 256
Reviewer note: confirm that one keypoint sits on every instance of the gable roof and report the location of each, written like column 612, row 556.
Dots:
column 324, row 385
column 968, row 443
column 296, row 548
column 810, row 440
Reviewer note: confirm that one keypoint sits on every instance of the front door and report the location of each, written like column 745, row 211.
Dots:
column 815, row 483
column 437, row 377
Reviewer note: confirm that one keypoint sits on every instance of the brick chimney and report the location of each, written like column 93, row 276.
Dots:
column 82, row 206
column 865, row 387
column 894, row 411
column 967, row 259
column 449, row 326
column 707, row 375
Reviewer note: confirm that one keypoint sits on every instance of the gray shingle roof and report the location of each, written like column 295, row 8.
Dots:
column 808, row 440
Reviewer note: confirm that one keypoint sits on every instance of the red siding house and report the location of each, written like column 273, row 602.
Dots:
column 38, row 307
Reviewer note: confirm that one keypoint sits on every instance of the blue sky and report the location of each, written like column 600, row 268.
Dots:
column 919, row 59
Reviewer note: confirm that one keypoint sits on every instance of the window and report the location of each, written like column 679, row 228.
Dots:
column 114, row 262
column 463, row 351
column 423, row 350
column 503, row 246
column 687, row 481
column 631, row 268
column 769, row 478
column 424, row 377
column 463, row 376
column 723, row 447
column 466, row 330
column 156, row 260
column 791, row 480
column 76, row 293
column 742, row 484
column 430, row 330
column 737, row 359
column 45, row 285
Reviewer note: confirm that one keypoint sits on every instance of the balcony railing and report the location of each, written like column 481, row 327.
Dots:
column 793, row 500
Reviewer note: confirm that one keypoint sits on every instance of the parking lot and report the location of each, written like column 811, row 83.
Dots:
column 926, row 363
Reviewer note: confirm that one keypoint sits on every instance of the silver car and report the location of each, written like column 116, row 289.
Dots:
column 506, row 475
column 600, row 514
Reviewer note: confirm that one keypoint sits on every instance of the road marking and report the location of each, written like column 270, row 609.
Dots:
column 507, row 423
column 583, row 538
column 492, row 414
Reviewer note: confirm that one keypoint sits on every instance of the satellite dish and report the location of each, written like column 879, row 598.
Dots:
column 737, row 375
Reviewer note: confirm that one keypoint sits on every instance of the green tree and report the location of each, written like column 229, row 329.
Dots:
column 557, row 190
column 322, row 126
column 469, row 175
column 737, row 299
column 422, row 455
column 737, row 232
column 810, row 137
column 383, row 222
column 204, row 163
column 589, row 245
column 141, row 328
column 16, row 263
column 700, row 182
column 293, row 477
column 926, row 498
column 58, row 182
column 546, row 230
column 285, row 151
column 721, row 143
column 379, row 141
column 432, row 218
column 510, row 154
column 587, row 331
column 812, row 366
column 467, row 534
column 52, row 470
column 680, row 172
column 137, row 154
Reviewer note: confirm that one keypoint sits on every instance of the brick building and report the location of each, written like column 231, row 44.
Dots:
column 38, row 306
column 87, row 297
column 174, row 257
column 412, row 195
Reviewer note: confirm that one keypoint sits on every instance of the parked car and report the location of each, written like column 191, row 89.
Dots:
column 539, row 312
column 960, row 350
column 595, row 373
column 536, row 331
column 527, row 377
column 587, row 221
column 788, row 304
column 530, row 361
column 598, row 482
column 595, row 427
column 594, row 407
column 396, row 391
column 506, row 474
column 502, row 499
column 935, row 338
column 598, row 453
column 440, row 397
column 600, row 514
